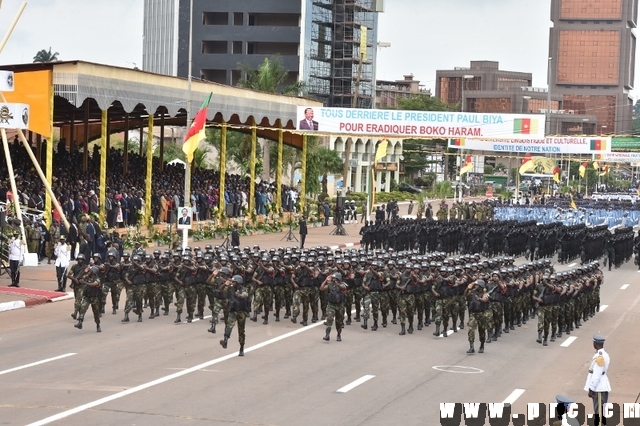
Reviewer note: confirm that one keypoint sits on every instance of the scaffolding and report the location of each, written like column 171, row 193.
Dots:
column 338, row 76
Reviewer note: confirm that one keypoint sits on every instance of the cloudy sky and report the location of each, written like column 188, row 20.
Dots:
column 425, row 35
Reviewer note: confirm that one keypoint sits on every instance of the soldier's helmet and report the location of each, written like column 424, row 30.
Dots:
column 80, row 257
column 97, row 256
column 481, row 283
column 94, row 270
column 126, row 255
column 136, row 258
column 337, row 276
column 238, row 279
column 225, row 270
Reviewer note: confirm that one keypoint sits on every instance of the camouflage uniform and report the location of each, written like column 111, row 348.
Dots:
column 336, row 290
column 136, row 284
column 75, row 272
column 478, row 318
column 407, row 287
column 239, row 306
column 91, row 296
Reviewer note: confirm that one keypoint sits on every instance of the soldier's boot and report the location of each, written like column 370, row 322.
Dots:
column 384, row 321
column 126, row 317
column 419, row 327
column 511, row 327
column 74, row 315
column 157, row 314
column 348, row 322
column 178, row 319
column 287, row 314
column 212, row 329
column 437, row 332
column 326, row 334
column 364, row 323
column 553, row 335
column 241, row 352
column 544, row 342
column 200, row 315
column 294, row 320
column 314, row 318
column 266, row 318
column 114, row 311
column 374, row 327
column 339, row 337
column 471, row 349
column 277, row 315
column 481, row 349
column 98, row 330
column 394, row 320
column 454, row 321
column 506, row 328
column 519, row 322
column 494, row 336
column 254, row 317
column 324, row 316
column 461, row 325
column 102, row 310
column 567, row 330
column 357, row 318
column 224, row 341
column 140, row 317
column 152, row 315
column 78, row 325
column 402, row 330
column 444, row 332
column 578, row 324
column 559, row 335
column 410, row 330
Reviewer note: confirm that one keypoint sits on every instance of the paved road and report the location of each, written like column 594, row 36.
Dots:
column 156, row 372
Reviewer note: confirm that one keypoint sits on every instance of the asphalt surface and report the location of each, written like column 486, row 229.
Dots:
column 160, row 373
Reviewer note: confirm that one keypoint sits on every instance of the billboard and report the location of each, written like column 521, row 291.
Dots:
column 618, row 157
column 419, row 124
column 549, row 145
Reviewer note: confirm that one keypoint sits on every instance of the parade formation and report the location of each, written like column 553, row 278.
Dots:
column 376, row 286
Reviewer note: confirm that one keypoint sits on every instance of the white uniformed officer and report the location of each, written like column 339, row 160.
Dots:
column 597, row 383
column 562, row 409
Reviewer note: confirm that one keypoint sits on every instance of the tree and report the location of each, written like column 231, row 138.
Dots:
column 327, row 161
column 44, row 56
column 270, row 77
column 415, row 151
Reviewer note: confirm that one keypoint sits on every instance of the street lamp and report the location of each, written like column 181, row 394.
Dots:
column 464, row 82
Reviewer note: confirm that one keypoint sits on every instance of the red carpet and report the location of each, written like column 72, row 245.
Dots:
column 47, row 294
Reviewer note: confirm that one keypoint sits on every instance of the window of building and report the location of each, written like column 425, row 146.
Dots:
column 213, row 75
column 238, row 18
column 274, row 20
column 215, row 18
column 237, row 48
column 214, row 47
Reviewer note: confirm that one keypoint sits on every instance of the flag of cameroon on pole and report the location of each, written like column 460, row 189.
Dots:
column 196, row 132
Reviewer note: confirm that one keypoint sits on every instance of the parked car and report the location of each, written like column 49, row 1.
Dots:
column 409, row 188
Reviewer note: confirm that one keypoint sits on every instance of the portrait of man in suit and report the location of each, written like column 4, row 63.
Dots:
column 184, row 218
column 307, row 123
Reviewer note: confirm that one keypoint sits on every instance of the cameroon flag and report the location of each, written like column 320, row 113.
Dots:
column 196, row 132
column 598, row 145
column 525, row 126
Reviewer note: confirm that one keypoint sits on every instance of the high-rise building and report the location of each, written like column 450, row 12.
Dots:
column 329, row 44
column 389, row 91
column 592, row 59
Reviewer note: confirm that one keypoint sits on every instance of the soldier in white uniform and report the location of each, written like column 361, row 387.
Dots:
column 561, row 412
column 597, row 383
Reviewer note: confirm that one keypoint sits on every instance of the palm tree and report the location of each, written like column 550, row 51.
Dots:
column 44, row 56
column 329, row 162
column 270, row 77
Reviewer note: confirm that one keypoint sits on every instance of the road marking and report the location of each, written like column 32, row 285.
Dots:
column 33, row 364
column 569, row 341
column 603, row 307
column 449, row 333
column 513, row 396
column 572, row 265
column 355, row 383
column 624, row 287
column 458, row 369
column 348, row 245
column 135, row 389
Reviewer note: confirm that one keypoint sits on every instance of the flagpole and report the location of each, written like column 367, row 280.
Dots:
column 187, row 169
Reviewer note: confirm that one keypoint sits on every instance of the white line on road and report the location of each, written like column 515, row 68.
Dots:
column 572, row 265
column 33, row 364
column 603, row 307
column 624, row 287
column 164, row 379
column 355, row 383
column 514, row 395
column 569, row 341
column 449, row 333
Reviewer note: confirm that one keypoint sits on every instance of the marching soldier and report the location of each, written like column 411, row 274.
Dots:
column 477, row 313
column 239, row 307
column 91, row 296
column 336, row 289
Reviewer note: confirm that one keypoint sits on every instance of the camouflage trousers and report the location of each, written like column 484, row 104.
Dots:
column 153, row 294
column 115, row 287
column 96, row 305
column 322, row 297
column 190, row 294
column 569, row 313
column 263, row 298
column 202, row 296
column 78, row 294
column 560, row 316
column 134, row 299
column 241, row 318
column 406, row 302
column 288, row 297
column 167, row 288
column 180, row 296
column 497, row 313
column 393, row 302
column 216, row 306
column 479, row 321
column 210, row 293
column 462, row 307
column 314, row 297
column 545, row 313
column 446, row 308
column 335, row 311
column 371, row 304
column 279, row 297
column 354, row 298
column 301, row 297
column 555, row 310
column 419, row 306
